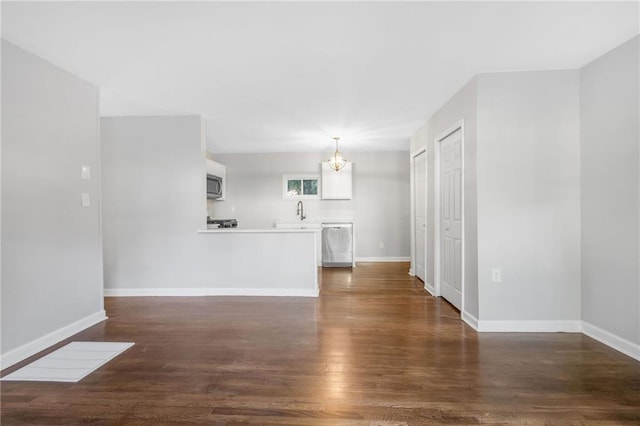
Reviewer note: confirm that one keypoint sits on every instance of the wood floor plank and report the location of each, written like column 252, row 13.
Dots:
column 373, row 349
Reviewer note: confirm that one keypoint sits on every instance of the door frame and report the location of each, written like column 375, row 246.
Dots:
column 458, row 125
column 413, row 214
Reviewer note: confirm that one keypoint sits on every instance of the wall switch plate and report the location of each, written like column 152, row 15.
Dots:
column 381, row 244
column 496, row 275
column 86, row 172
column 86, row 199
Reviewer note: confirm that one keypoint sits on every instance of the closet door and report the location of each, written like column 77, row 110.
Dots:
column 420, row 213
column 451, row 218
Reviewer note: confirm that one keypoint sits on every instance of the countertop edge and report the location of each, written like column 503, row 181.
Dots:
column 253, row 231
column 316, row 221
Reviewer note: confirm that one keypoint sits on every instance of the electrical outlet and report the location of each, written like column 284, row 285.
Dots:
column 496, row 275
column 381, row 244
column 85, row 199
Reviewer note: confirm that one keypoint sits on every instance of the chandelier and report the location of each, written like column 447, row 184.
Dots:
column 337, row 160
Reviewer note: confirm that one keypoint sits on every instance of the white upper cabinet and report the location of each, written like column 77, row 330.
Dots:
column 216, row 169
column 337, row 185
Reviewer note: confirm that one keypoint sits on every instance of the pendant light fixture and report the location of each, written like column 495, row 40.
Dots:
column 337, row 160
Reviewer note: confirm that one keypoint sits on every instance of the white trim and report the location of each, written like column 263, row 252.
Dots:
column 430, row 289
column 470, row 320
column 418, row 152
column 458, row 125
column 412, row 220
column 384, row 259
column 436, row 208
column 436, row 218
column 285, row 183
column 616, row 342
column 209, row 291
column 25, row 351
column 566, row 326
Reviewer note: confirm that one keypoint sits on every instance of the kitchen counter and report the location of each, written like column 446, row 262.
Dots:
column 258, row 262
column 230, row 262
column 252, row 231
column 314, row 220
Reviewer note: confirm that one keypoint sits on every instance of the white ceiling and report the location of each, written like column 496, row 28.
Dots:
column 280, row 77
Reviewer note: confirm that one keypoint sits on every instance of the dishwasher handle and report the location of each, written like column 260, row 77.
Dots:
column 337, row 225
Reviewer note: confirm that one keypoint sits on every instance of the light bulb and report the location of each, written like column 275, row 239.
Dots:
column 337, row 161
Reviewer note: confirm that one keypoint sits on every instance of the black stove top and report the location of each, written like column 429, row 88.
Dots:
column 223, row 223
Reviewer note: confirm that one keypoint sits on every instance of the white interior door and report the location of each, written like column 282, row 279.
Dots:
column 451, row 218
column 420, row 206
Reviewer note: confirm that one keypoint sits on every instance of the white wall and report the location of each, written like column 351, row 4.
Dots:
column 528, row 163
column 461, row 107
column 522, row 207
column 380, row 204
column 558, row 197
column 418, row 141
column 51, row 248
column 610, row 184
column 153, row 194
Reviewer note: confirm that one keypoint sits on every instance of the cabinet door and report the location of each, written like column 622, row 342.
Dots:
column 337, row 185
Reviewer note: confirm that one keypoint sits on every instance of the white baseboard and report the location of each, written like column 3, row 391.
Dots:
column 411, row 272
column 430, row 288
column 208, row 291
column 25, row 351
column 470, row 319
column 616, row 342
column 384, row 259
column 567, row 326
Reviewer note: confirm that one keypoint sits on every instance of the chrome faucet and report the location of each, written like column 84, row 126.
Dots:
column 301, row 211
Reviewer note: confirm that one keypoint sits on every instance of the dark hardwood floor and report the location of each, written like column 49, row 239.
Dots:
column 373, row 349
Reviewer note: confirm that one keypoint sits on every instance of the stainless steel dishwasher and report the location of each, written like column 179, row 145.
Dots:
column 337, row 245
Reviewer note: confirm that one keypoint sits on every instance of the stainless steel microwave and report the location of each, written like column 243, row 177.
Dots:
column 214, row 187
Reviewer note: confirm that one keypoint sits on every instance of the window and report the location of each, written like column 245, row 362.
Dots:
column 300, row 187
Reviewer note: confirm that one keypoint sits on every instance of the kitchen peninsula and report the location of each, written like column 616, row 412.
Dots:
column 260, row 262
